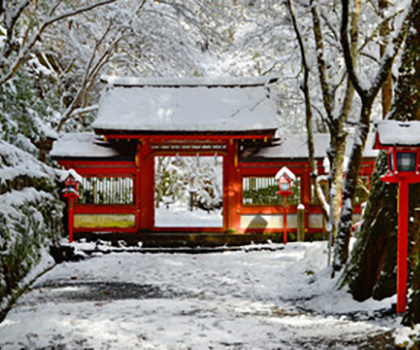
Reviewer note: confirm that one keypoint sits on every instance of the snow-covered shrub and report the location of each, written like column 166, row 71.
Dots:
column 175, row 177
column 30, row 215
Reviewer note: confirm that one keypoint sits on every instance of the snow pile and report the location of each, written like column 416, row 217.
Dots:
column 393, row 132
column 407, row 338
column 82, row 145
column 279, row 299
column 179, row 215
column 30, row 215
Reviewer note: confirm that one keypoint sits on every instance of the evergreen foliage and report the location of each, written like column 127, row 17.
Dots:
column 30, row 216
column 177, row 176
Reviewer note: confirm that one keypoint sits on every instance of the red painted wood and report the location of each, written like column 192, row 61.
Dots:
column 402, row 247
column 70, row 217
column 285, row 220
column 104, row 209
column 95, row 164
column 188, row 153
column 142, row 171
column 191, row 137
column 106, row 229
column 306, row 188
column 146, row 189
column 232, row 189
column 137, row 197
column 102, row 172
column 187, row 229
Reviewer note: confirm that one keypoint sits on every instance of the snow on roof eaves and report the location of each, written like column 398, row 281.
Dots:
column 186, row 109
column 189, row 82
column 294, row 146
column 392, row 132
column 82, row 145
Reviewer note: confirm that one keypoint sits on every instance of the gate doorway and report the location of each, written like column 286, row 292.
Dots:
column 188, row 191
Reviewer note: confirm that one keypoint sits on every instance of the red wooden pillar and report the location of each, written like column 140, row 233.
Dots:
column 402, row 246
column 232, row 188
column 284, row 219
column 146, row 186
column 70, row 217
column 137, row 191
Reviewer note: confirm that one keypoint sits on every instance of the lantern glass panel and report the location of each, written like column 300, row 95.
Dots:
column 406, row 161
column 391, row 162
column 285, row 186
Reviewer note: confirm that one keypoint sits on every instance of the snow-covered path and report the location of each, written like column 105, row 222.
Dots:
column 279, row 299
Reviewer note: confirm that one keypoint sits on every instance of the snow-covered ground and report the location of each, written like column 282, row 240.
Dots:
column 179, row 215
column 272, row 299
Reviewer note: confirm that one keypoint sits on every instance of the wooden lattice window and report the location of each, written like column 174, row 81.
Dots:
column 106, row 190
column 263, row 191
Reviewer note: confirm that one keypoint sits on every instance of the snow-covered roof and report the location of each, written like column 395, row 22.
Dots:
column 285, row 171
column 294, row 146
column 187, row 105
column 65, row 174
column 191, row 82
column 392, row 132
column 82, row 145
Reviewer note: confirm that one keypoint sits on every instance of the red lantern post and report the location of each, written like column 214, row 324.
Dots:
column 401, row 141
column 285, row 178
column 71, row 181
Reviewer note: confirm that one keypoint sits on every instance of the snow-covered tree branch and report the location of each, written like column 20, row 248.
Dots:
column 11, row 64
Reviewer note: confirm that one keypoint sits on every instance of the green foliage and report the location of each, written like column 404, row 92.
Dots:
column 175, row 176
column 23, row 112
column 267, row 195
column 23, row 238
column 30, row 215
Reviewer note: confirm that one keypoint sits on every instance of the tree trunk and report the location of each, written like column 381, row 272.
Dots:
column 371, row 270
column 308, row 104
column 335, row 123
column 367, row 95
column 384, row 32
column 341, row 251
column 368, row 255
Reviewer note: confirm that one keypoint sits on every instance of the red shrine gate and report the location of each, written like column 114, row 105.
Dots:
column 234, row 119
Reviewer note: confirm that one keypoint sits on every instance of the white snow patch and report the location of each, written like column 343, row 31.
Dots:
column 284, row 171
column 404, row 336
column 82, row 145
column 65, row 174
column 179, row 215
column 186, row 109
column 393, row 132
column 247, row 300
